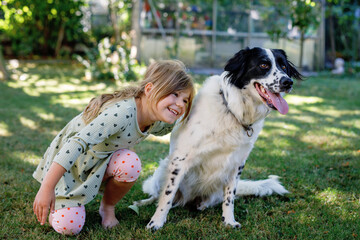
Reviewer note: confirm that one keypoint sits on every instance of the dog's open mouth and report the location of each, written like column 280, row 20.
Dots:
column 273, row 100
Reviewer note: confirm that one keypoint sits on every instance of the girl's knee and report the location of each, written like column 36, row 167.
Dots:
column 68, row 221
column 124, row 166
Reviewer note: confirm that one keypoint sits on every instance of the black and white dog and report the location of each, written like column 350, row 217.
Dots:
column 209, row 151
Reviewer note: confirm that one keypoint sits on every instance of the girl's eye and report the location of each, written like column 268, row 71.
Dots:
column 176, row 94
column 186, row 101
column 264, row 66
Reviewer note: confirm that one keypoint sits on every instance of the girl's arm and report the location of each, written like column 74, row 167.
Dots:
column 45, row 197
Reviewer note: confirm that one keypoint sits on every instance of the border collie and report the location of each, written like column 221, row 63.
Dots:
column 208, row 152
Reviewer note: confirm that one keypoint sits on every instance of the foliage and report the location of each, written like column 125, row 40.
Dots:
column 278, row 17
column 345, row 17
column 303, row 14
column 111, row 58
column 123, row 9
column 233, row 15
column 33, row 26
column 109, row 61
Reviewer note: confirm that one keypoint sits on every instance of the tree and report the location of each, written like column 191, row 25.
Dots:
column 343, row 29
column 111, row 58
column 304, row 15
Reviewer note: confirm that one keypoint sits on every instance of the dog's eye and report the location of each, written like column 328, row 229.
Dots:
column 283, row 67
column 264, row 66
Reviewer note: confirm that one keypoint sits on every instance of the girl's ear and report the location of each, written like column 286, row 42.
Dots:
column 148, row 87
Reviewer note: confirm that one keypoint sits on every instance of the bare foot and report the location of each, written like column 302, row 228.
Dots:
column 107, row 214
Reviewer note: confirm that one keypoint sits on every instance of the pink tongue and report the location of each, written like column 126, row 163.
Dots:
column 279, row 102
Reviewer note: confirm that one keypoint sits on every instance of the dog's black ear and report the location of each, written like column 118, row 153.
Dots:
column 291, row 71
column 236, row 65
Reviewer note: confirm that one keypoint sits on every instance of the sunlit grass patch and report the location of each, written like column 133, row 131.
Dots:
column 28, row 123
column 297, row 100
column 161, row 139
column 4, row 130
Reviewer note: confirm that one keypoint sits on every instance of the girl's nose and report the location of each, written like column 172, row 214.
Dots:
column 180, row 103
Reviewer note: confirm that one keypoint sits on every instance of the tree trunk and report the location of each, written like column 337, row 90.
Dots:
column 332, row 39
column 302, row 39
column 135, row 30
column 3, row 69
column 114, row 22
column 60, row 39
column 46, row 37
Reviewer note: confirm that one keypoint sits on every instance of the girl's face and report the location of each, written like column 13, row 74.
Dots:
column 172, row 107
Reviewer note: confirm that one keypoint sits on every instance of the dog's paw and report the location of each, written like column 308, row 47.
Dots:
column 201, row 207
column 154, row 225
column 233, row 224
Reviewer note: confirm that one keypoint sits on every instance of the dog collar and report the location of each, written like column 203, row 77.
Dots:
column 248, row 128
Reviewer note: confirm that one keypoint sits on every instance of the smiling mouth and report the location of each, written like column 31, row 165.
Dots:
column 176, row 113
column 272, row 100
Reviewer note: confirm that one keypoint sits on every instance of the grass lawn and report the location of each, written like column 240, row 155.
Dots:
column 315, row 148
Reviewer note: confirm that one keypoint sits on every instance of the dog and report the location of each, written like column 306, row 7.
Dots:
column 208, row 151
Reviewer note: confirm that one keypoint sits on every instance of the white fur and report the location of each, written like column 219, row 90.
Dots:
column 260, row 188
column 209, row 151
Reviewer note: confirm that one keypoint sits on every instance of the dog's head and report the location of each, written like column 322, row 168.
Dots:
column 267, row 73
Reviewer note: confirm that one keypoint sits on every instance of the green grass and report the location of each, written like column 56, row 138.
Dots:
column 315, row 149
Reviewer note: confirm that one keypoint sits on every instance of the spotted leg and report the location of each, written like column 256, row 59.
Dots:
column 229, row 197
column 175, row 176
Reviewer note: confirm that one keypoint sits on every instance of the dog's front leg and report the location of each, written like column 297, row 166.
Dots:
column 174, row 177
column 228, row 203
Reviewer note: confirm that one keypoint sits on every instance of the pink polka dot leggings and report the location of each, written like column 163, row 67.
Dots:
column 124, row 166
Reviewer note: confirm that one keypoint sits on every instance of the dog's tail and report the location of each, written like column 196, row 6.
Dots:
column 145, row 202
column 261, row 187
column 152, row 186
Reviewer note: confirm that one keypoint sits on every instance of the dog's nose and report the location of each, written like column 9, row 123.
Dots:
column 286, row 83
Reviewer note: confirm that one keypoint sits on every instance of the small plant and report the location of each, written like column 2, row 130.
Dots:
column 108, row 61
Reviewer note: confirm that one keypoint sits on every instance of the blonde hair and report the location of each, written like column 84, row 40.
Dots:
column 167, row 76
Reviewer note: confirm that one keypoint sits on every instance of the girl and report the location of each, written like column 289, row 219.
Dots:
column 91, row 152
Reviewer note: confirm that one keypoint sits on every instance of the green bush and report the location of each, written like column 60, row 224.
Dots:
column 34, row 27
column 110, row 61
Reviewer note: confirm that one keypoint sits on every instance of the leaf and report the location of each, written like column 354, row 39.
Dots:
column 290, row 212
column 135, row 209
column 345, row 164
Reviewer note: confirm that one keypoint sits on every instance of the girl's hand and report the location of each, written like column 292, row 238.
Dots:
column 45, row 199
